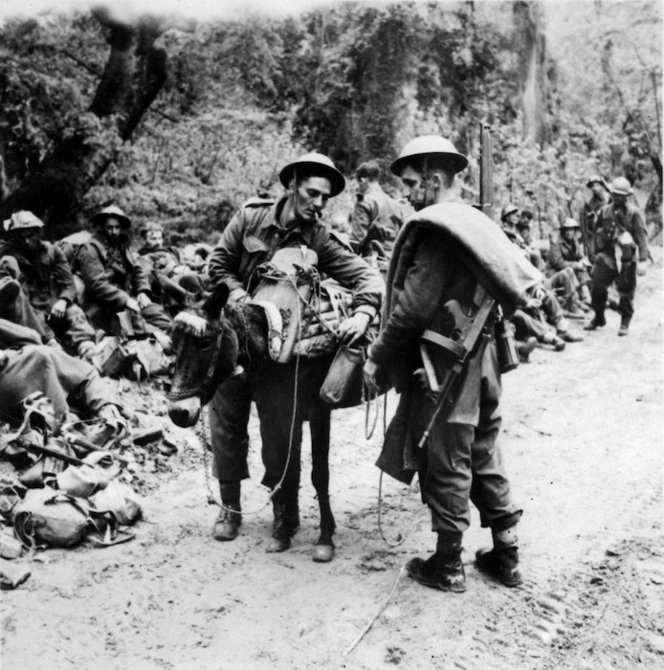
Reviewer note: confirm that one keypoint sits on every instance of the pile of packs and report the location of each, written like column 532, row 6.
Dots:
column 68, row 491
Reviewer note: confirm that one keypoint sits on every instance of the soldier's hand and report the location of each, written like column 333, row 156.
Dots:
column 132, row 305
column 641, row 269
column 352, row 329
column 369, row 373
column 143, row 300
column 59, row 308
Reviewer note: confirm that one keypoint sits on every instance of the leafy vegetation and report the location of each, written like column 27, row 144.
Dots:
column 197, row 120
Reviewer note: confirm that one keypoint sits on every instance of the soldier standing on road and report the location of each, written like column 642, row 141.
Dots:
column 621, row 252
column 590, row 211
column 47, row 280
column 253, row 236
column 449, row 251
column 376, row 218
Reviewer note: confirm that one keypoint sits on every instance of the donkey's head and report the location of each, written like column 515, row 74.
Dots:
column 206, row 354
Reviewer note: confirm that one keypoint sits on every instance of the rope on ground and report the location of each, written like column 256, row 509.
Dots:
column 358, row 639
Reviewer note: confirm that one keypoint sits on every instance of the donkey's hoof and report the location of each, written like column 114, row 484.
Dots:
column 323, row 553
column 278, row 544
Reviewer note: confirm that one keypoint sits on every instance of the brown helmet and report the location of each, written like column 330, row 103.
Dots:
column 620, row 186
column 429, row 145
column 22, row 220
column 112, row 212
column 314, row 164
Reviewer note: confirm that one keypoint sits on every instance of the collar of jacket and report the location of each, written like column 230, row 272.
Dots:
column 304, row 228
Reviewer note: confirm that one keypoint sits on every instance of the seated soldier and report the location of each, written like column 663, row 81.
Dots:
column 47, row 280
column 523, row 228
column 509, row 219
column 171, row 281
column 113, row 277
column 567, row 253
column 27, row 366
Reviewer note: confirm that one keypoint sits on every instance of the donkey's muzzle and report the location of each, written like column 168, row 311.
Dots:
column 185, row 412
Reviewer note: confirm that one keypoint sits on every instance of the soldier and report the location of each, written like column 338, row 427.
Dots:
column 588, row 216
column 252, row 237
column 376, row 218
column 619, row 226
column 567, row 252
column 27, row 366
column 170, row 279
column 509, row 220
column 444, row 250
column 47, row 280
column 523, row 228
column 113, row 275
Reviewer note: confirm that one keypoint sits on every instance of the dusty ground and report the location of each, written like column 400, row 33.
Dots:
column 583, row 444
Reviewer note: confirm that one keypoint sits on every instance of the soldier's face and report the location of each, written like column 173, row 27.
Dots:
column 419, row 195
column 596, row 188
column 619, row 200
column 569, row 233
column 112, row 229
column 154, row 239
column 310, row 197
column 28, row 239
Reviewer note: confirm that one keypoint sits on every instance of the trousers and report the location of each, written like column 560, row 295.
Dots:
column 605, row 271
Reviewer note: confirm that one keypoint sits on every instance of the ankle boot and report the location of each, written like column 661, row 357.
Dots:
column 281, row 530
column 442, row 570
column 502, row 561
column 228, row 523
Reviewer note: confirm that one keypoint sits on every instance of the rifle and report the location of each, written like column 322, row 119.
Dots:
column 486, row 170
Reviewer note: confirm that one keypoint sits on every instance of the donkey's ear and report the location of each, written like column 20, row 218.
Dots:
column 216, row 301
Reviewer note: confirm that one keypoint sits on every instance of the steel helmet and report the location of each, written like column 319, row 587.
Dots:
column 620, row 186
column 314, row 164
column 429, row 145
column 595, row 179
column 507, row 210
column 22, row 220
column 114, row 212
column 569, row 223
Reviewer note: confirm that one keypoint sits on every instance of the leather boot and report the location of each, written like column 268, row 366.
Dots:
column 502, row 561
column 443, row 570
column 524, row 349
column 227, row 525
column 598, row 321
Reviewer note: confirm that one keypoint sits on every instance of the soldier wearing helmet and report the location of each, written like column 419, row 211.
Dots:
column 510, row 216
column 620, row 226
column 588, row 216
column 113, row 276
column 440, row 255
column 252, row 237
column 47, row 284
column 566, row 254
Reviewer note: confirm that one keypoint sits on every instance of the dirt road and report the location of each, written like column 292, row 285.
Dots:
column 583, row 442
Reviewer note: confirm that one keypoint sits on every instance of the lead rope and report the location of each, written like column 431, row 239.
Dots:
column 207, row 440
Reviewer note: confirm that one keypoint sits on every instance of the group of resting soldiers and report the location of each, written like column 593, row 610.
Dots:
column 447, row 252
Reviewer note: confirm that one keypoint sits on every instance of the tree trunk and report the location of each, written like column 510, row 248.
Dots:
column 530, row 45
column 133, row 76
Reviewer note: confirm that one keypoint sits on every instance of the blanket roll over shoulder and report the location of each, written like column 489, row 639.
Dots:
column 499, row 265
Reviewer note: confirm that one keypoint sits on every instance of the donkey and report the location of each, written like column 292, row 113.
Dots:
column 209, row 343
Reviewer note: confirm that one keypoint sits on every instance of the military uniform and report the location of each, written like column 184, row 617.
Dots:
column 616, row 257
column 111, row 274
column 588, row 221
column 46, row 278
column 27, row 366
column 375, row 217
column 251, row 238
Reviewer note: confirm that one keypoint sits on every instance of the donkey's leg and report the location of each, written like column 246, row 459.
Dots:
column 281, row 435
column 319, row 424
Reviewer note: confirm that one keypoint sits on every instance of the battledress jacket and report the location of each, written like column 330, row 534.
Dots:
column 611, row 222
column 110, row 274
column 441, row 254
column 376, row 216
column 564, row 254
column 47, row 277
column 254, row 234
